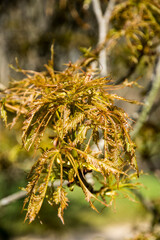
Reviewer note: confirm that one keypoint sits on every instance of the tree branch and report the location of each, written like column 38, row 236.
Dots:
column 11, row 198
column 108, row 13
column 21, row 194
column 103, row 25
column 97, row 10
column 150, row 98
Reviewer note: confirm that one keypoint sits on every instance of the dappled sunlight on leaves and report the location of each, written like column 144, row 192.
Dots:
column 75, row 110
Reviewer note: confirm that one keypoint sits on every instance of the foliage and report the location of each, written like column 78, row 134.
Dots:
column 138, row 23
column 73, row 109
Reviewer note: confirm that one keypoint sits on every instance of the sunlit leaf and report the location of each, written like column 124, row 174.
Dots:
column 66, row 115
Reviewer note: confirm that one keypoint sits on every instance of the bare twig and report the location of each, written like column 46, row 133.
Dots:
column 108, row 12
column 103, row 25
column 150, row 98
column 11, row 198
column 21, row 194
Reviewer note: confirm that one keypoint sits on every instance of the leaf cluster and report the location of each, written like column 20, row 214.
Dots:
column 65, row 115
column 138, row 23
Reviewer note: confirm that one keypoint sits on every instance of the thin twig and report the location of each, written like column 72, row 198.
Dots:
column 149, row 100
column 21, row 194
column 11, row 198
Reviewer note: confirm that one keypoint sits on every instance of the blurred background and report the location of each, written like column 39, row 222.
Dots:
column 27, row 30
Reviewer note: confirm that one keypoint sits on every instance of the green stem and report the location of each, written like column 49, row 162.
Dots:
column 149, row 102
